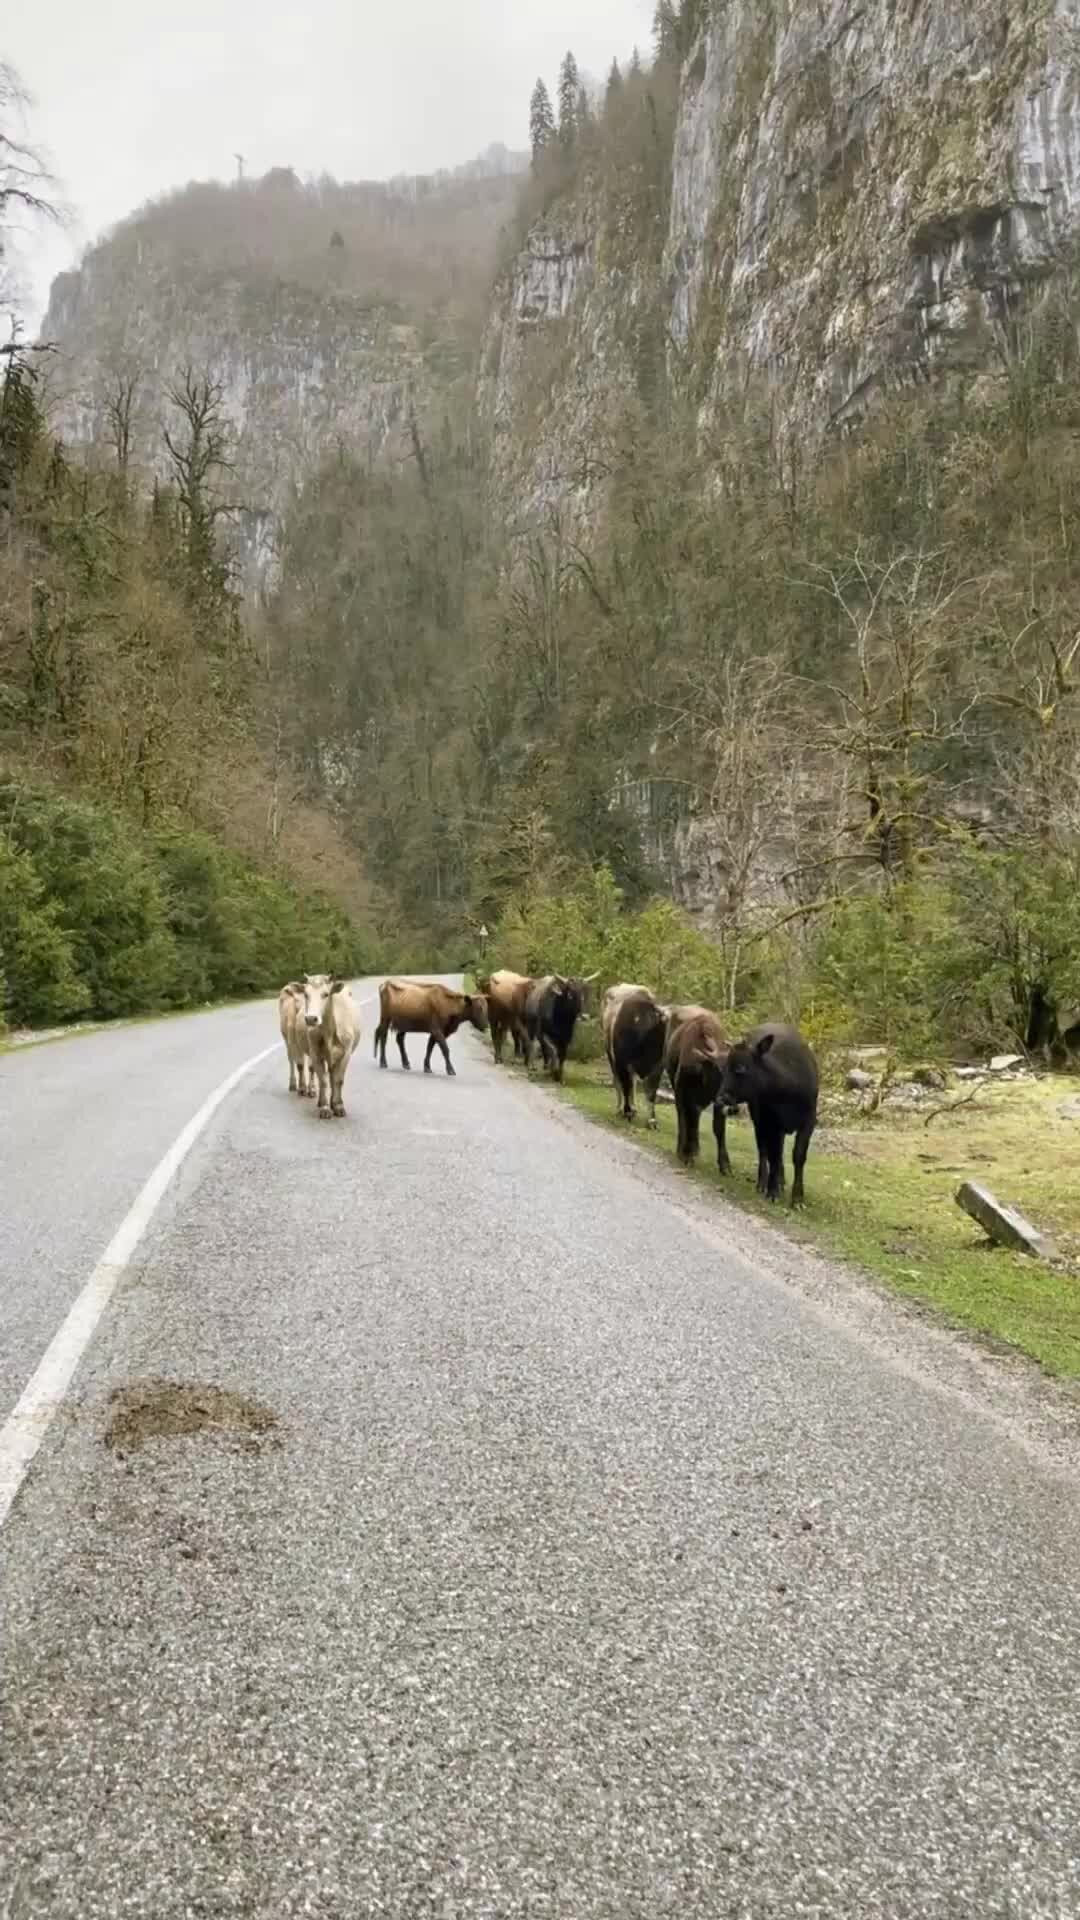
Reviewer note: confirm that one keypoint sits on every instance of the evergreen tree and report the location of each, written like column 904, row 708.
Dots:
column 635, row 65
column 614, row 83
column 666, row 33
column 569, row 88
column 541, row 120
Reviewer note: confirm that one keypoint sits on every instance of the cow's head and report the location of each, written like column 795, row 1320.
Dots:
column 476, row 1011
column 318, row 990
column 743, row 1072
column 574, row 990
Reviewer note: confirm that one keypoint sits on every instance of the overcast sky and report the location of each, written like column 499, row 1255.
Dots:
column 132, row 97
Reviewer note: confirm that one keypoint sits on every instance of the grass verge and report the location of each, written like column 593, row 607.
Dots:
column 880, row 1193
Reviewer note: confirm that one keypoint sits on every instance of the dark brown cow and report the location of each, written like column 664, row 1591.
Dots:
column 507, row 994
column 634, row 1025
column 410, row 1006
column 774, row 1072
column 695, row 1053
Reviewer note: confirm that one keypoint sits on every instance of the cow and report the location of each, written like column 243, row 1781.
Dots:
column 295, row 1035
column 633, row 1024
column 695, row 1051
column 506, row 994
column 553, row 1008
column 773, row 1072
column 407, row 1006
column 333, row 1030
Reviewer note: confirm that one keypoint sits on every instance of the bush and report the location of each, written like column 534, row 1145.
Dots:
column 106, row 887
column 95, row 916
column 39, row 982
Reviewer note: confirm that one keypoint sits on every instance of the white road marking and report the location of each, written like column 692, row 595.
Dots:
column 33, row 1414
column 37, row 1406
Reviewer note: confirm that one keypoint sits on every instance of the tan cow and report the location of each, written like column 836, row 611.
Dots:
column 420, row 1006
column 333, row 1031
column 506, row 995
column 295, row 1035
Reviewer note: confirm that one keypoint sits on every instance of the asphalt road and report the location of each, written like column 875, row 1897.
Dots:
column 560, row 1554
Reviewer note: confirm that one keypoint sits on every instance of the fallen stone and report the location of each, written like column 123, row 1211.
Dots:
column 968, row 1073
column 1070, row 1109
column 1001, row 1062
column 1005, row 1225
column 929, row 1077
column 868, row 1053
column 858, row 1081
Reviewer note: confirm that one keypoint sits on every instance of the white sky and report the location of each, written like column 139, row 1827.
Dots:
column 133, row 97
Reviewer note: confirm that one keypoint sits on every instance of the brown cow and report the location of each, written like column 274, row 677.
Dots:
column 410, row 1006
column 634, row 1026
column 507, row 994
column 695, row 1054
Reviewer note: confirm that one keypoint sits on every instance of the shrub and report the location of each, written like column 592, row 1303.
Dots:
column 108, row 894
column 39, row 982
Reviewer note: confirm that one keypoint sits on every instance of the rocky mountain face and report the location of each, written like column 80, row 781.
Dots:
column 329, row 316
column 860, row 194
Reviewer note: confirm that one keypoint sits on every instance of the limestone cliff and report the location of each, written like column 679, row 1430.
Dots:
column 859, row 194
column 330, row 316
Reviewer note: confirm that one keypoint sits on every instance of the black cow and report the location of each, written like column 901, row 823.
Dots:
column 555, row 1005
column 773, row 1072
column 634, row 1025
column 695, row 1051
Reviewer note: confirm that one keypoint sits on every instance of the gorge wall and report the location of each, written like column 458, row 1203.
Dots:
column 860, row 194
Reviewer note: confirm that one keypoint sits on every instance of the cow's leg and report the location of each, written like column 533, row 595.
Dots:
column 689, row 1122
column 761, row 1142
column 498, row 1035
column 400, row 1038
column 652, row 1088
column 337, row 1087
column 380, row 1043
column 719, row 1127
column 624, row 1081
column 324, row 1090
column 439, row 1040
column 774, row 1147
column 798, row 1158
column 292, row 1074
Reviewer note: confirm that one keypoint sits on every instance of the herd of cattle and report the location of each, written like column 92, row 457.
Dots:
column 771, row 1072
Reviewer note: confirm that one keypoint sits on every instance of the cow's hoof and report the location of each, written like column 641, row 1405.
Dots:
column 325, row 1114
column 427, row 1066
column 652, row 1125
column 338, row 1113
column 451, row 1074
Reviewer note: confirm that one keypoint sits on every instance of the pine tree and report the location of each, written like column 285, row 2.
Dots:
column 541, row 120
column 614, row 83
column 635, row 65
column 569, row 87
column 666, row 30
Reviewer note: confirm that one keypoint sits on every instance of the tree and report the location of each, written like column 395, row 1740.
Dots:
column 666, row 31
column 569, row 88
column 541, row 121
column 26, row 185
column 614, row 84
column 197, row 455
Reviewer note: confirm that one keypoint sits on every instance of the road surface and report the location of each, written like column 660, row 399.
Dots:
column 539, row 1548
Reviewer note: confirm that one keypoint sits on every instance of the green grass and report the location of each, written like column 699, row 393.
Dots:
column 880, row 1193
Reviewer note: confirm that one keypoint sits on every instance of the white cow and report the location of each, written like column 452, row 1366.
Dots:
column 295, row 1035
column 333, row 1032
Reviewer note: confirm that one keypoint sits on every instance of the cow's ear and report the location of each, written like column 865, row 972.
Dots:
column 763, row 1045
column 295, row 986
column 337, row 986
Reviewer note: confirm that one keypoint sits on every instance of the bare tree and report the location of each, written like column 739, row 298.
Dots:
column 198, row 452
column 119, row 418
column 891, row 719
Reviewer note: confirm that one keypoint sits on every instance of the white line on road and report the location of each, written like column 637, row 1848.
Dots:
column 27, row 1424
column 31, row 1417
